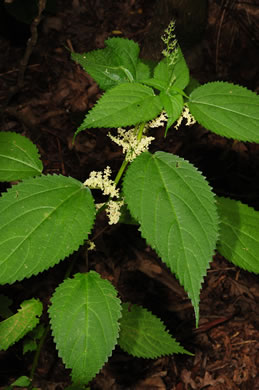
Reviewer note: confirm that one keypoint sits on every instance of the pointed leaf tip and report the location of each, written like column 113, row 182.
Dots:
column 17, row 326
column 124, row 105
column 144, row 335
column 227, row 109
column 19, row 157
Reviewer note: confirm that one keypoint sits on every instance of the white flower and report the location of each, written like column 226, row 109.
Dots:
column 113, row 211
column 91, row 245
column 131, row 146
column 190, row 120
column 101, row 180
column 159, row 121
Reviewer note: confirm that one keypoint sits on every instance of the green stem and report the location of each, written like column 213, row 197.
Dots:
column 37, row 354
column 121, row 170
column 140, row 130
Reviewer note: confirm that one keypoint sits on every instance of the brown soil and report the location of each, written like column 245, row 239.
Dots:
column 49, row 108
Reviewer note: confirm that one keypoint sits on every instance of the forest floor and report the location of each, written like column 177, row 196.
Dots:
column 48, row 110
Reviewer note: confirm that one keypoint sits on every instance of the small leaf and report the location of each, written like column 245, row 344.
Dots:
column 142, row 71
column 42, row 220
column 177, row 214
column 239, row 238
column 84, row 319
column 30, row 341
column 144, row 335
column 173, row 105
column 127, row 52
column 124, row 105
column 115, row 64
column 23, row 381
column 29, row 346
column 15, row 327
column 176, row 75
column 227, row 109
column 160, row 85
column 19, row 157
column 181, row 72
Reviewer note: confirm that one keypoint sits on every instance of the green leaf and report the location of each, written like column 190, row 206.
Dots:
column 15, row 327
column 42, row 220
column 127, row 52
column 239, row 238
column 176, row 75
column 181, row 72
column 167, row 77
column 19, row 157
column 22, row 381
column 29, row 346
column 160, row 85
column 142, row 71
column 84, row 319
column 115, row 64
column 227, row 109
column 173, row 105
column 144, row 335
column 124, row 105
column 177, row 213
column 30, row 341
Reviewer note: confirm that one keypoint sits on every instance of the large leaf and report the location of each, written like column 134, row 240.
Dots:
column 115, row 64
column 177, row 213
column 226, row 109
column 19, row 157
column 239, row 233
column 15, row 327
column 142, row 334
column 124, row 105
column 84, row 318
column 42, row 220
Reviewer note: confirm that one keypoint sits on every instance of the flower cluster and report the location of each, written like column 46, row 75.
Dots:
column 102, row 181
column 113, row 211
column 171, row 43
column 91, row 245
column 159, row 121
column 190, row 120
column 131, row 146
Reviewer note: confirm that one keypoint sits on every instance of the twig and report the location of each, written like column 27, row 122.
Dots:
column 29, row 48
column 30, row 44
